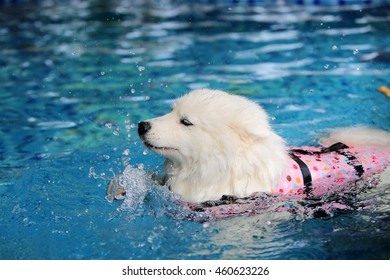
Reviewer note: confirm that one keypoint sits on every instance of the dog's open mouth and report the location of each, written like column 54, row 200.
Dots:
column 153, row 147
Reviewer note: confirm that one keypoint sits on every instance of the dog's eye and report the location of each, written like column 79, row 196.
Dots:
column 186, row 122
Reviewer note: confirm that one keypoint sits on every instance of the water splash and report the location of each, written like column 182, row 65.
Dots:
column 131, row 186
column 142, row 195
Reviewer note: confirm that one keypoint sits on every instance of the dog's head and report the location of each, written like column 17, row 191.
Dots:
column 204, row 124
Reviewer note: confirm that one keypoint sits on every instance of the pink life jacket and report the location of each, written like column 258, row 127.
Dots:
column 312, row 172
column 315, row 171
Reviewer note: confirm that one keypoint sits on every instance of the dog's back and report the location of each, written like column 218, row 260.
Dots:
column 364, row 139
column 358, row 137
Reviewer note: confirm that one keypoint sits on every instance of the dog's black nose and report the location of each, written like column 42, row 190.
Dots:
column 143, row 127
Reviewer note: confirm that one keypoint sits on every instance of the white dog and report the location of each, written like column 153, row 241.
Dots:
column 219, row 144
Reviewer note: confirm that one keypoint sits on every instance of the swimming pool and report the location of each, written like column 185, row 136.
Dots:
column 76, row 78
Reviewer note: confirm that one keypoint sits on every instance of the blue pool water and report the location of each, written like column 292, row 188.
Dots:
column 76, row 78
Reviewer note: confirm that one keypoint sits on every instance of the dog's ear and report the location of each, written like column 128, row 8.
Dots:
column 252, row 130
column 251, row 122
column 252, row 126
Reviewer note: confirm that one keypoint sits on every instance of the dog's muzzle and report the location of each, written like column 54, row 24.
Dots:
column 143, row 128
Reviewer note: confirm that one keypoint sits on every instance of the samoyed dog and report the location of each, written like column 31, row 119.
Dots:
column 219, row 144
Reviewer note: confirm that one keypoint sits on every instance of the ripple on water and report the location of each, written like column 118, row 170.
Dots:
column 56, row 124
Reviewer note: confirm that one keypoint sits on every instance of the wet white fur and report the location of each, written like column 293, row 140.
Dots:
column 361, row 137
column 358, row 136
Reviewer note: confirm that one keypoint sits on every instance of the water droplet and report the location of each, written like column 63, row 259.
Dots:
column 356, row 51
column 108, row 125
column 126, row 152
column 326, row 66
column 126, row 161
column 92, row 173
column 334, row 47
column 132, row 90
column 115, row 132
column 311, row 91
column 102, row 73
column 49, row 62
column 145, row 152
column 141, row 68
